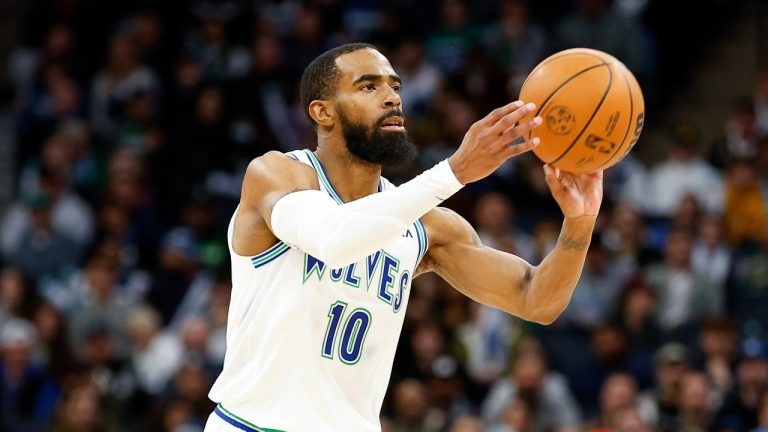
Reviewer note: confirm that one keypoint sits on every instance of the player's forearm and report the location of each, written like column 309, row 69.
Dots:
column 554, row 280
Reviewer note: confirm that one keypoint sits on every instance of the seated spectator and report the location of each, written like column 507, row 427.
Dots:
column 27, row 394
column 718, row 343
column 546, row 391
column 746, row 203
column 684, row 171
column 598, row 288
column 43, row 250
column 696, row 405
column 69, row 215
column 96, row 304
column 618, row 393
column 17, row 297
column 684, row 296
column 54, row 350
column 517, row 417
column 659, row 405
column 710, row 255
column 82, row 410
column 113, row 86
column 748, row 283
column 155, row 355
column 742, row 408
column 413, row 410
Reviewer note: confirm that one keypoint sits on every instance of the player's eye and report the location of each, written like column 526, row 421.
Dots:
column 369, row 87
column 396, row 88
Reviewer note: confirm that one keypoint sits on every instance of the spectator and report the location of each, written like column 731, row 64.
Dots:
column 82, row 410
column 178, row 274
column 684, row 171
column 618, row 393
column 54, row 350
column 69, row 214
column 516, row 43
column 746, row 203
column 596, row 25
column 683, row 295
column 28, row 396
column 748, row 282
column 547, row 391
column 410, row 62
column 123, row 77
column 155, row 354
column 710, row 255
column 718, row 341
column 43, row 250
column 626, row 237
column 97, row 305
column 517, row 417
column 659, row 405
column 743, row 407
column 17, row 298
column 695, row 403
column 413, row 411
column 447, row 48
column 598, row 288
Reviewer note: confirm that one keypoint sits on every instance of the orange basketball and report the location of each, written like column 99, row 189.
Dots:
column 592, row 109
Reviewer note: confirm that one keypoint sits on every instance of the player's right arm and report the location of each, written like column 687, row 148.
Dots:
column 342, row 234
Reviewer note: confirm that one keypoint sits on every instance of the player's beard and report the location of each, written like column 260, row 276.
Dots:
column 375, row 145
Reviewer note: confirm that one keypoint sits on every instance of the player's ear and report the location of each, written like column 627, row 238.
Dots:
column 321, row 112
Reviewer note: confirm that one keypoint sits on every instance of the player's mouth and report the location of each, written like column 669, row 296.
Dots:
column 394, row 124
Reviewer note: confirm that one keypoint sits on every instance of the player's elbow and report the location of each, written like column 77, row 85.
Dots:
column 543, row 317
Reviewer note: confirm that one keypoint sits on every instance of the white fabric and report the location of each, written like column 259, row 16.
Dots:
column 274, row 373
column 342, row 234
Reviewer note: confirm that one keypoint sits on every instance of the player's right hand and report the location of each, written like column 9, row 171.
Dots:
column 489, row 142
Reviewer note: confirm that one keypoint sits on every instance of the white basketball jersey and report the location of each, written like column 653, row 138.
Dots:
column 310, row 348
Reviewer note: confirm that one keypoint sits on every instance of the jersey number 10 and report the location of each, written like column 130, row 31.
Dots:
column 352, row 333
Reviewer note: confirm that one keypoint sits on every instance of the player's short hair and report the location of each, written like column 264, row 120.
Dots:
column 321, row 77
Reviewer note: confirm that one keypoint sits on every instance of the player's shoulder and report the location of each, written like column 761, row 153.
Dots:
column 275, row 165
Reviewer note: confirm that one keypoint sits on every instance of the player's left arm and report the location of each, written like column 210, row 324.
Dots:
column 505, row 281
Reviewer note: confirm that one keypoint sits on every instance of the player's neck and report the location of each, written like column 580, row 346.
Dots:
column 351, row 178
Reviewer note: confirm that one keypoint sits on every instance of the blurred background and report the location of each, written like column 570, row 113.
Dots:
column 126, row 127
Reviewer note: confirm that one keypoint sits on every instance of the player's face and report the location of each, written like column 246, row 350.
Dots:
column 369, row 110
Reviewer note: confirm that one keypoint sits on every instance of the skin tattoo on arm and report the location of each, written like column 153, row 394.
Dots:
column 570, row 243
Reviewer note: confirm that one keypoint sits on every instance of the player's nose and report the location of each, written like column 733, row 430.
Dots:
column 392, row 99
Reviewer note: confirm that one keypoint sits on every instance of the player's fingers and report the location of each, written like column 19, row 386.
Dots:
column 500, row 112
column 552, row 176
column 522, row 129
column 508, row 120
column 516, row 149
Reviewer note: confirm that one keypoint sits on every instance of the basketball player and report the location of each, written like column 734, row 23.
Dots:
column 324, row 251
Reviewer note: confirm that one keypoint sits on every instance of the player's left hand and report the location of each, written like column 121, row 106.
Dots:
column 576, row 194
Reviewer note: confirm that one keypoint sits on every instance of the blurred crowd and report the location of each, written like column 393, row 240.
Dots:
column 134, row 123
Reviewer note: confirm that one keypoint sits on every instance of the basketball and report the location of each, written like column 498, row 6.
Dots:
column 591, row 106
